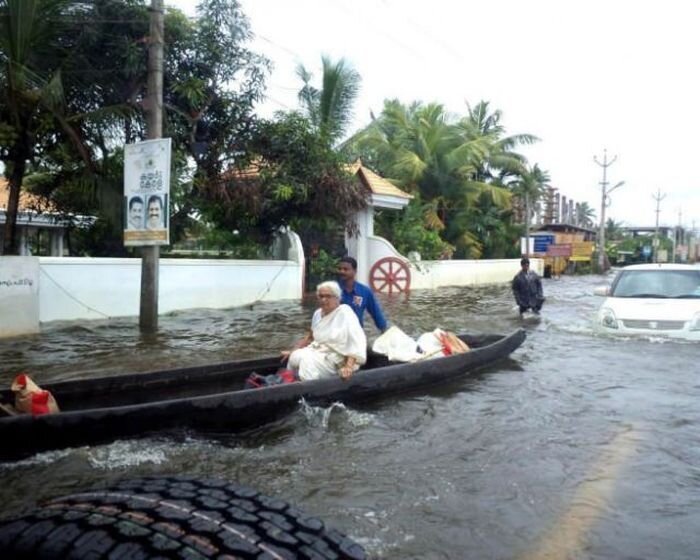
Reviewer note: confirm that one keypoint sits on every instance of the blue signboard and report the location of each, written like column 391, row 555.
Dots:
column 542, row 242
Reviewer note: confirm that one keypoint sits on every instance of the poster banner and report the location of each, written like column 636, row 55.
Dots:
column 146, row 193
column 559, row 250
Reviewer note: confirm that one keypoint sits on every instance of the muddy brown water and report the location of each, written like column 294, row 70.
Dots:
column 578, row 446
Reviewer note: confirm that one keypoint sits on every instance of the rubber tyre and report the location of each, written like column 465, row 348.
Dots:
column 174, row 517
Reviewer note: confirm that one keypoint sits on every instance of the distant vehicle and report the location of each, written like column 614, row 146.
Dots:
column 652, row 299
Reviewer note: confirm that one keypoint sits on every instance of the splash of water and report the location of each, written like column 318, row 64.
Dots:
column 318, row 415
column 123, row 454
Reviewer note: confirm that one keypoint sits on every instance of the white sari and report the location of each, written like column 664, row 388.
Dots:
column 336, row 336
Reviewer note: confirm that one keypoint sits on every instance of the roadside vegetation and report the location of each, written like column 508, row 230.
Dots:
column 73, row 77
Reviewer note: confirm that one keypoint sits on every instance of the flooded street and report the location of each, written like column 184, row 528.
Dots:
column 578, row 446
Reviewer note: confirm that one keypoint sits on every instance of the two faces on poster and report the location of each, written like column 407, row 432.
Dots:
column 145, row 212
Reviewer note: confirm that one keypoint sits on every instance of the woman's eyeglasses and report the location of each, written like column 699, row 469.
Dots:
column 325, row 296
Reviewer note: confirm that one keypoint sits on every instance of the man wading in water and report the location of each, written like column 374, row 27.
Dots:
column 358, row 296
column 527, row 289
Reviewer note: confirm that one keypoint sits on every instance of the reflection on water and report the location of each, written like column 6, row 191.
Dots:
column 523, row 460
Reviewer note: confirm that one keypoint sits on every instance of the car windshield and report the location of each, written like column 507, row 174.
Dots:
column 657, row 284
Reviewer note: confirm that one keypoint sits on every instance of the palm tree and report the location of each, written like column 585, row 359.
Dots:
column 613, row 230
column 25, row 35
column 452, row 162
column 502, row 161
column 36, row 40
column 585, row 215
column 424, row 149
column 530, row 187
column 330, row 108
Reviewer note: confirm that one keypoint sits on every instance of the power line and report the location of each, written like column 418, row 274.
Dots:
column 379, row 31
column 448, row 48
column 285, row 49
column 280, row 103
column 283, row 87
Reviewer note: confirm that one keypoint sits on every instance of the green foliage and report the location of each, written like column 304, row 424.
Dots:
column 322, row 266
column 407, row 231
column 101, row 239
column 291, row 177
column 211, row 82
column 34, row 40
column 529, row 187
column 452, row 162
column 73, row 80
column 585, row 215
column 330, row 108
column 634, row 245
column 493, row 226
column 613, row 230
column 208, row 241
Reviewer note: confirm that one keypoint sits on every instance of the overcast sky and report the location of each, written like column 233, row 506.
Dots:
column 581, row 75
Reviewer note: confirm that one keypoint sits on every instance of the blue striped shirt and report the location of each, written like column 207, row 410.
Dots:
column 361, row 298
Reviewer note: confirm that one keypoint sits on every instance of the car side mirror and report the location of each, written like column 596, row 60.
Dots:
column 603, row 291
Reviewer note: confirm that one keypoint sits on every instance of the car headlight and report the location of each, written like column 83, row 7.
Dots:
column 608, row 319
column 695, row 322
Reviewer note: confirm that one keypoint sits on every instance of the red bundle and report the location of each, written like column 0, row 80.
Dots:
column 31, row 398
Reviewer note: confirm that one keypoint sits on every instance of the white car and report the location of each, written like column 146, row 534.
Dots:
column 653, row 300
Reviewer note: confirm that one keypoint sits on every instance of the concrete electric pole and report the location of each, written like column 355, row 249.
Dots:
column 677, row 231
column 604, row 202
column 658, row 197
column 148, row 313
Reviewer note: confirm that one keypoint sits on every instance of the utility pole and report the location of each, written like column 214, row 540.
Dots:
column 658, row 197
column 148, row 315
column 673, row 250
column 676, row 232
column 604, row 202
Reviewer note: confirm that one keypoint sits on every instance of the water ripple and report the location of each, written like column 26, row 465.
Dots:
column 480, row 468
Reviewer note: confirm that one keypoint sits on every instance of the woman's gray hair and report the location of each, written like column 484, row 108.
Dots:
column 331, row 286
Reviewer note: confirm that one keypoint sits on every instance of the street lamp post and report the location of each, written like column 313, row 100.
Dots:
column 604, row 202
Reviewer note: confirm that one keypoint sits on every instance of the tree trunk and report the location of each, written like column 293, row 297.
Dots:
column 10, row 242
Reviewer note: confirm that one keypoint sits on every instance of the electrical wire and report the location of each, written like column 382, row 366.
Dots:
column 71, row 296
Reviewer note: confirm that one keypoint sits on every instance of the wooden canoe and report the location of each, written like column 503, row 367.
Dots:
column 211, row 397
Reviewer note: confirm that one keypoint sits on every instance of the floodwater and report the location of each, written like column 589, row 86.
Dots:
column 580, row 446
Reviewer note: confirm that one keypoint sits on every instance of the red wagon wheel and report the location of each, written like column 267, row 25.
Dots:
column 390, row 275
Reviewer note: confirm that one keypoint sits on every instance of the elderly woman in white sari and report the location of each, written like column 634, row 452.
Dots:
column 337, row 344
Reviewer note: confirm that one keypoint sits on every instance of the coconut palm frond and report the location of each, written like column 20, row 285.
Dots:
column 431, row 218
column 512, row 142
column 469, row 153
column 469, row 245
column 341, row 85
column 408, row 164
column 308, row 95
column 330, row 108
column 104, row 116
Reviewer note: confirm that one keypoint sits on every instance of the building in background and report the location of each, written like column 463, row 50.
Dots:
column 40, row 229
column 563, row 233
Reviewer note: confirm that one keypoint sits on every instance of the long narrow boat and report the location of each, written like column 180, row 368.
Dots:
column 212, row 397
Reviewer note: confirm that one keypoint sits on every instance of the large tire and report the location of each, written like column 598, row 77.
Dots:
column 177, row 517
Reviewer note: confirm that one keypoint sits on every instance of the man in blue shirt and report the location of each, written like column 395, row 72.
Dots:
column 358, row 296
